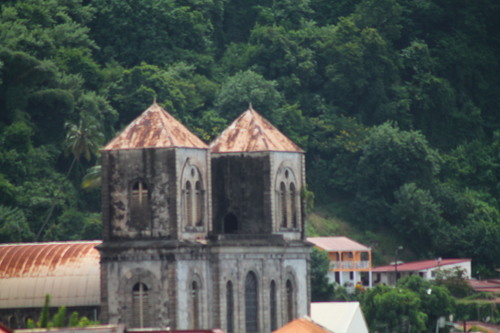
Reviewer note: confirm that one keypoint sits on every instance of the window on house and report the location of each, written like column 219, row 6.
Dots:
column 290, row 301
column 273, row 306
column 351, row 276
column 229, row 307
column 139, row 204
column 140, row 306
column 251, row 303
column 195, row 305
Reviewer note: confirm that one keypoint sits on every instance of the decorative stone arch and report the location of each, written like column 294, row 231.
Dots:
column 139, row 198
column 139, row 292
column 192, row 197
column 196, row 296
column 290, row 294
column 287, row 203
column 251, row 298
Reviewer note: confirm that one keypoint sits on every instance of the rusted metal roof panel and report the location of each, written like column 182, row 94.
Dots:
column 251, row 132
column 155, row 128
column 68, row 271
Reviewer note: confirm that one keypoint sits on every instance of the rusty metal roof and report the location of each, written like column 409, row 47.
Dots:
column 155, row 128
column 250, row 132
column 68, row 271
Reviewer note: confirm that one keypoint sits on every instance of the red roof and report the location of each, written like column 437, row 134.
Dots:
column 485, row 285
column 420, row 265
column 335, row 244
column 250, row 132
column 155, row 128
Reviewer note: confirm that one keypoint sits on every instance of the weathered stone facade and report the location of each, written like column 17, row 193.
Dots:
column 167, row 261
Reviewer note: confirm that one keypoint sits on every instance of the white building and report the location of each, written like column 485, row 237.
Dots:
column 425, row 268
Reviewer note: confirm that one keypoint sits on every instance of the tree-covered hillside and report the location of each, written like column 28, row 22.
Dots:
column 395, row 101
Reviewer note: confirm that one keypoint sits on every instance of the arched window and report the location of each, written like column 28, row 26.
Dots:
column 273, row 312
column 193, row 197
column 290, row 301
column 230, row 224
column 229, row 307
column 288, row 201
column 139, row 204
column 188, row 204
column 140, row 306
column 195, row 305
column 293, row 205
column 251, row 303
column 284, row 220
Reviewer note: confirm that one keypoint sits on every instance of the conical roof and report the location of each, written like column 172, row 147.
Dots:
column 155, row 128
column 251, row 132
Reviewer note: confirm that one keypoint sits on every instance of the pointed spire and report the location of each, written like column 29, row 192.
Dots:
column 155, row 128
column 252, row 132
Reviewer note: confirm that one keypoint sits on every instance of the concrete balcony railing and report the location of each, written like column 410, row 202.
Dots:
column 364, row 264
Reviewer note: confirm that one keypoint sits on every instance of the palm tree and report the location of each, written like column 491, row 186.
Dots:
column 84, row 140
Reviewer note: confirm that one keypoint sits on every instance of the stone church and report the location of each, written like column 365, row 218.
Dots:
column 199, row 236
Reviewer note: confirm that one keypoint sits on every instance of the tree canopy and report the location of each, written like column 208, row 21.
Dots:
column 396, row 103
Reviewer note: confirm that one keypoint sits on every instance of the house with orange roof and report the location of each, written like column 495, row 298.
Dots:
column 350, row 261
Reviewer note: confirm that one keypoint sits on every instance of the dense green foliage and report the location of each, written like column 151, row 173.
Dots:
column 414, row 305
column 396, row 103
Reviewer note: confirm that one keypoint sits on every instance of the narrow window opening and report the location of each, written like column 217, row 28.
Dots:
column 273, row 312
column 290, row 301
column 198, row 204
column 189, row 204
column 293, row 202
column 140, row 306
column 283, row 205
column 195, row 303
column 229, row 307
column 251, row 303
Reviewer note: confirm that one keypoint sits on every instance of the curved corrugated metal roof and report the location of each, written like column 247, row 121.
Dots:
column 68, row 271
column 155, row 128
column 251, row 132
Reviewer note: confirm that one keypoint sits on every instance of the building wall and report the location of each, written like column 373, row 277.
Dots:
column 268, row 263
column 185, row 267
column 154, row 167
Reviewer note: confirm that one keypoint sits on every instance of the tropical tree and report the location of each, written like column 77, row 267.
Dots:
column 82, row 140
